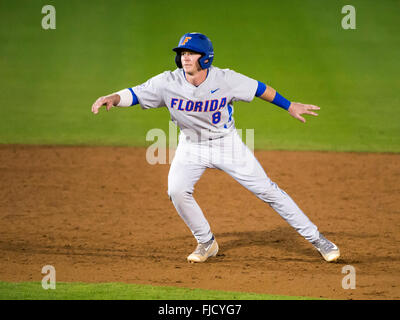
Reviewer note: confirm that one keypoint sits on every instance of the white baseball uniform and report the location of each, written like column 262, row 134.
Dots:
column 208, row 139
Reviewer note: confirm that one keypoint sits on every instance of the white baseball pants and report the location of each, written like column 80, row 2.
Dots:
column 231, row 155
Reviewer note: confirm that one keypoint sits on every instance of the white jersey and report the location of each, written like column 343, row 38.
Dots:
column 202, row 113
column 205, row 111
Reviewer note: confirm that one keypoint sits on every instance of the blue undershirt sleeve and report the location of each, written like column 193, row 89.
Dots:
column 134, row 97
column 260, row 89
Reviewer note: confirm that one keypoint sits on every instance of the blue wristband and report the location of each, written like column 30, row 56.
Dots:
column 281, row 101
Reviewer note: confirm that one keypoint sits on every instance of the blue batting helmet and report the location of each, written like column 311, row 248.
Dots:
column 196, row 42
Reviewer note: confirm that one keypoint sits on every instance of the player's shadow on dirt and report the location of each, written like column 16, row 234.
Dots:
column 284, row 241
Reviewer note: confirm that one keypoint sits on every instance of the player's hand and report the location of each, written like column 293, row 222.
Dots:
column 296, row 109
column 109, row 101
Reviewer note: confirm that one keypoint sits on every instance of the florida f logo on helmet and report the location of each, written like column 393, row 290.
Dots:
column 196, row 42
column 185, row 40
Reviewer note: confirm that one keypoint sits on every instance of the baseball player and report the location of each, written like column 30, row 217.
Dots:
column 200, row 98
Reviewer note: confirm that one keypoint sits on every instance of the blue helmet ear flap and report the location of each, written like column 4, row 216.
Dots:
column 206, row 60
column 178, row 60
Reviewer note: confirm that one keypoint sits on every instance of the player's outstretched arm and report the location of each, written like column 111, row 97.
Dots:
column 108, row 101
column 295, row 109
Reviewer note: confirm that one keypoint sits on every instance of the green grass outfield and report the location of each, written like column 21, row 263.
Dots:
column 121, row 291
column 49, row 79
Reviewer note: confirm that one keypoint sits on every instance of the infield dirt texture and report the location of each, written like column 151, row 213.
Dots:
column 76, row 191
column 102, row 214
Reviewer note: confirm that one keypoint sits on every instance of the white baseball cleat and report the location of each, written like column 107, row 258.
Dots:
column 326, row 248
column 204, row 251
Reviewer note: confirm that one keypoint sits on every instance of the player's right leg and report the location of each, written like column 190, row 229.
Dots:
column 186, row 169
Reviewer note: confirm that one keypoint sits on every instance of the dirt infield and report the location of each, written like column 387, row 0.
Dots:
column 102, row 214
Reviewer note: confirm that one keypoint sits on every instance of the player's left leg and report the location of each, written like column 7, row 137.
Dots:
column 239, row 162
